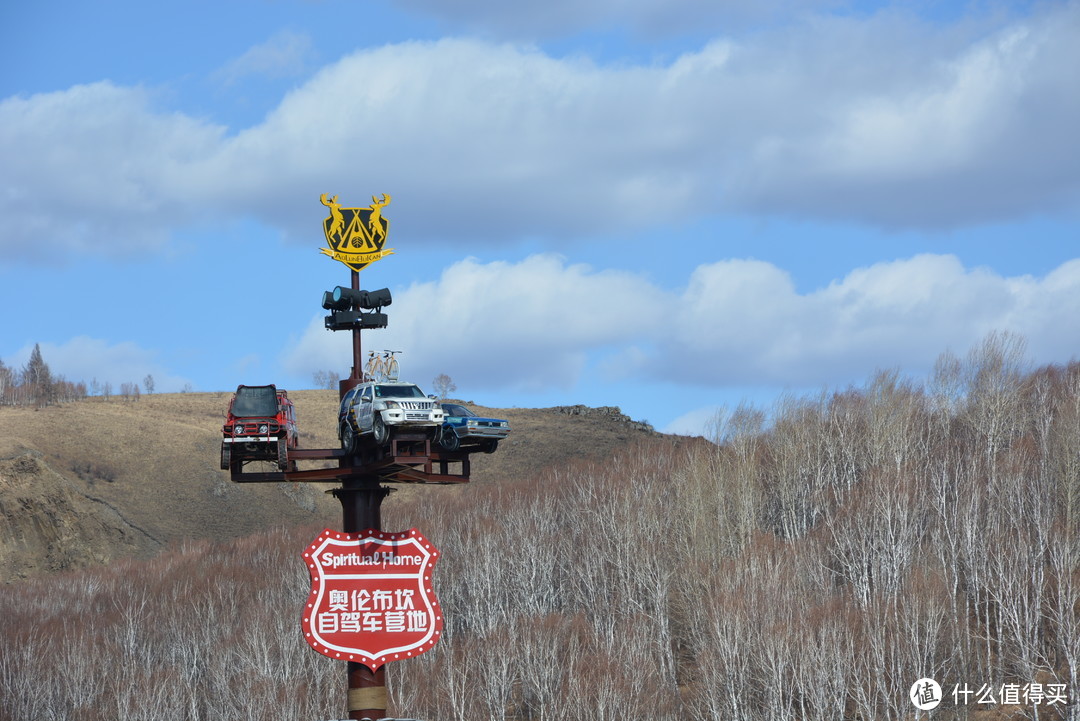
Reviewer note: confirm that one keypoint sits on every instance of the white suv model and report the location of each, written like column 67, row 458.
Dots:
column 376, row 407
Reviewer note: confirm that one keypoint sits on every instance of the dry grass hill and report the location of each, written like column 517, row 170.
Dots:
column 90, row 481
column 812, row 566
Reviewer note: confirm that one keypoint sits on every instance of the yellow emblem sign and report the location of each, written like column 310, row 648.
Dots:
column 356, row 236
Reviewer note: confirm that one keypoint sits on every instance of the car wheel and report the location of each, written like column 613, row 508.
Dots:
column 449, row 440
column 348, row 439
column 490, row 446
column 379, row 430
column 282, row 454
column 226, row 452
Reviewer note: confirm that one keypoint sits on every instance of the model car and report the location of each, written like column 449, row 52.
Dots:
column 462, row 426
column 375, row 408
column 260, row 426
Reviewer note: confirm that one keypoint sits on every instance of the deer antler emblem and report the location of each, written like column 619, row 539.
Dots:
column 375, row 224
column 356, row 236
column 338, row 221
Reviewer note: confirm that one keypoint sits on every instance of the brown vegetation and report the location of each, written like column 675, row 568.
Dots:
column 810, row 565
column 116, row 479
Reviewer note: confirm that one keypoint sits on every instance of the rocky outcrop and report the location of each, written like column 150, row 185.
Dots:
column 47, row 525
column 612, row 413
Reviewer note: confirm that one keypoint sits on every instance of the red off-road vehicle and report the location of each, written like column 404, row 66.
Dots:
column 261, row 426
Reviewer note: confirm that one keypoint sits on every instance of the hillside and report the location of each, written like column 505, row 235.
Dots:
column 809, row 569
column 94, row 480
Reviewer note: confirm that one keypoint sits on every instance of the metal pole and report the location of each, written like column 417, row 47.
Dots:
column 361, row 508
column 356, row 375
column 357, row 360
column 361, row 504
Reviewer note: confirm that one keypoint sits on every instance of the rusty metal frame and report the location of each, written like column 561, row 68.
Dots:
column 409, row 459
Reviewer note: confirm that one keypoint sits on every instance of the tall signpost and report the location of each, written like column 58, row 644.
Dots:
column 371, row 598
column 357, row 238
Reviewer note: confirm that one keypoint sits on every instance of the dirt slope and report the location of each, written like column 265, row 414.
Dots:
column 87, row 482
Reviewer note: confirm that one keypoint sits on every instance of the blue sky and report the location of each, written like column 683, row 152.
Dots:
column 666, row 206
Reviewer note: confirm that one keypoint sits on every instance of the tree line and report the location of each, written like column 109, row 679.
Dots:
column 810, row 563
column 36, row 385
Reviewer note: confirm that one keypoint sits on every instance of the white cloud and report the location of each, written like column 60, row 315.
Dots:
column 833, row 119
column 698, row 422
column 536, row 325
column 283, row 55
column 969, row 133
column 879, row 120
column 743, row 322
column 87, row 359
column 527, row 325
column 96, row 170
column 473, row 140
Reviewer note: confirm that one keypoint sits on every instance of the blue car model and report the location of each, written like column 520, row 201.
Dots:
column 463, row 427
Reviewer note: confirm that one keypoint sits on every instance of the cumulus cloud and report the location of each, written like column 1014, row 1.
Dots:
column 883, row 121
column 896, row 314
column 538, row 324
column 526, row 326
column 97, row 170
column 964, row 135
column 473, row 140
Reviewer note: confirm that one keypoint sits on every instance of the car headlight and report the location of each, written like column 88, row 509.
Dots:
column 391, row 404
column 239, row 430
column 263, row 429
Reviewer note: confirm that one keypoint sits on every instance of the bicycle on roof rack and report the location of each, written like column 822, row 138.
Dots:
column 383, row 367
column 390, row 365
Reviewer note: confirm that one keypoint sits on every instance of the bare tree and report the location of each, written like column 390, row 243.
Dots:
column 444, row 385
column 811, row 567
column 1065, row 616
column 326, row 379
column 7, row 378
column 496, row 674
column 148, row 384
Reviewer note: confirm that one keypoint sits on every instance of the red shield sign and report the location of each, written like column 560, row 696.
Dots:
column 371, row 599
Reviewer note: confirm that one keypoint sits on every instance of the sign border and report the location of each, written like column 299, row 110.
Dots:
column 412, row 537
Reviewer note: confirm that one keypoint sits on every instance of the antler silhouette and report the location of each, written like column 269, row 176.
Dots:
column 375, row 219
column 337, row 221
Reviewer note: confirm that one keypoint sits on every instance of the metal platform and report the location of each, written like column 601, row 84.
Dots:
column 409, row 458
